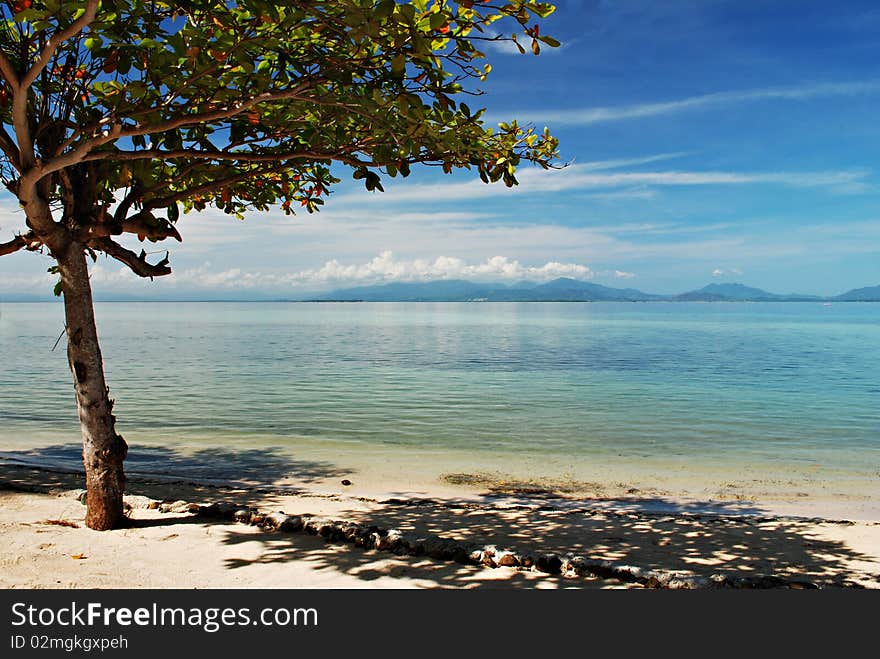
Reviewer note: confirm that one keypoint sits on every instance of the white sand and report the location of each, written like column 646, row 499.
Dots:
column 164, row 550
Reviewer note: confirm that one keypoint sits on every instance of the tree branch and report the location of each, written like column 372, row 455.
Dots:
column 143, row 224
column 9, row 148
column 80, row 153
column 195, row 154
column 24, row 241
column 20, row 87
column 206, row 188
column 57, row 39
column 8, row 72
column 137, row 263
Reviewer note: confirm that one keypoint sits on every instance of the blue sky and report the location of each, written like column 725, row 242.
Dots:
column 706, row 141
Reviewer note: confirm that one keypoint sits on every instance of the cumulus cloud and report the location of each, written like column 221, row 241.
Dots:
column 386, row 268
column 717, row 272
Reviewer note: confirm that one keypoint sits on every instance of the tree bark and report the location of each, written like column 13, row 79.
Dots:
column 103, row 449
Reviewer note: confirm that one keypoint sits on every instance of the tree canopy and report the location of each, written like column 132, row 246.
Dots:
column 116, row 116
column 119, row 115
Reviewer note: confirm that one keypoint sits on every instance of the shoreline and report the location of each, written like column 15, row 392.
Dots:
column 379, row 476
column 688, row 540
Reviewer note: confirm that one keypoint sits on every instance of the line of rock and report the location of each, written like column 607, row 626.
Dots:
column 448, row 549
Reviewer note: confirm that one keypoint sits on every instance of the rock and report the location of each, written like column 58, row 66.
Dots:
column 631, row 573
column 351, row 532
column 507, row 559
column 137, row 501
column 758, row 582
column 575, row 566
column 179, row 506
column 461, row 556
column 258, row 519
column 81, row 496
column 603, row 569
column 390, row 540
column 719, row 580
column 153, row 505
column 689, row 582
column 652, row 582
column 193, row 508
column 415, row 545
column 242, row 516
column 441, row 549
column 219, row 510
column 527, row 560
column 346, row 482
column 364, row 538
column 272, row 521
column 327, row 530
column 548, row 563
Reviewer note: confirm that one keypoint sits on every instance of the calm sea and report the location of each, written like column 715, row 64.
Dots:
column 251, row 390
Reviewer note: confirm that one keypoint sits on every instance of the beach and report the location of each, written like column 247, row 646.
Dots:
column 45, row 545
column 680, row 439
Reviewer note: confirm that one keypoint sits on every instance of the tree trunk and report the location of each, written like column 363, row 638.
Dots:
column 103, row 450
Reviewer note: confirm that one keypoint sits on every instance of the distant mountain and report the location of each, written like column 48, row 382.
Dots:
column 566, row 289
column 739, row 293
column 447, row 290
column 455, row 290
column 573, row 289
column 563, row 289
column 867, row 294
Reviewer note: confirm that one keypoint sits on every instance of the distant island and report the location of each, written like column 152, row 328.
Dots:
column 565, row 289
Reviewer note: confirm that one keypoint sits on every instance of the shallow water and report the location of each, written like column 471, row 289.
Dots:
column 781, row 394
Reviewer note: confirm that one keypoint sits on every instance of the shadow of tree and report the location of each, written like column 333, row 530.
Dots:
column 735, row 538
column 246, row 472
column 683, row 537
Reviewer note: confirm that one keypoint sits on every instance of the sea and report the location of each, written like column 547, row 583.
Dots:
column 733, row 401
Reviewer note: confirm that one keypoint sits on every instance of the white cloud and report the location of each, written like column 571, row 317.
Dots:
column 586, row 116
column 386, row 268
column 584, row 177
column 621, row 274
column 718, row 272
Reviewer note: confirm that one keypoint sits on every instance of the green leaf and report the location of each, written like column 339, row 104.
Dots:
column 550, row 41
column 59, row 288
column 542, row 9
column 384, row 9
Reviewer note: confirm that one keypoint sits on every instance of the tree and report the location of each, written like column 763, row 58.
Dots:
column 116, row 115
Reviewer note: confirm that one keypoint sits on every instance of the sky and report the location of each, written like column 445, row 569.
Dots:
column 711, row 141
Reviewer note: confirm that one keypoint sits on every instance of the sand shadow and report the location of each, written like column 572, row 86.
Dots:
column 246, row 473
column 681, row 537
column 734, row 538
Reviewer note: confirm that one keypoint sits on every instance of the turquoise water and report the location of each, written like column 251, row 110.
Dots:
column 776, row 387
